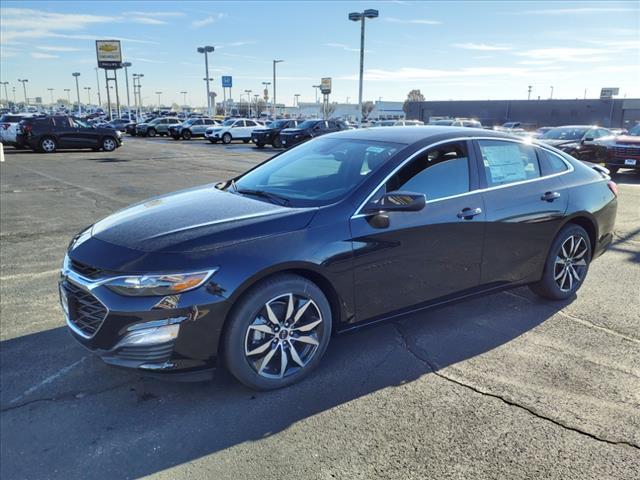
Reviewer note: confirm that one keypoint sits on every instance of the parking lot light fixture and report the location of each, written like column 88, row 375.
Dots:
column 51, row 94
column 184, row 99
column 316, row 87
column 248, row 92
column 158, row 93
column 88, row 89
column 77, row 74
column 273, row 103
column 206, row 50
column 24, row 88
column 6, row 94
column 68, row 90
column 126, row 79
column 360, row 17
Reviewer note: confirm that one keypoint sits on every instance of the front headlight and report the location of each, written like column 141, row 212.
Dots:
column 166, row 284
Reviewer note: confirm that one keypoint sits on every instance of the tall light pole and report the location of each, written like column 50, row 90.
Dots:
column 136, row 87
column 77, row 74
column 24, row 88
column 248, row 92
column 126, row 79
column 297, row 99
column 51, row 94
column 6, row 95
column 316, row 87
column 206, row 50
column 360, row 17
column 551, row 95
column 255, row 100
column 209, row 95
column 266, row 94
column 274, row 87
column 13, row 89
column 68, row 90
column 184, row 99
column 88, row 89
column 158, row 93
column 98, row 87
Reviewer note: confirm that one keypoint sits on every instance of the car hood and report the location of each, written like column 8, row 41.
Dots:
column 558, row 143
column 198, row 219
column 293, row 131
column 627, row 140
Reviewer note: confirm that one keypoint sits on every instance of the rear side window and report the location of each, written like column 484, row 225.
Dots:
column 439, row 173
column 250, row 123
column 508, row 162
column 550, row 162
column 11, row 118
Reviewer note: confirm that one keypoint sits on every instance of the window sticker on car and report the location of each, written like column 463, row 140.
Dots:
column 375, row 149
column 504, row 162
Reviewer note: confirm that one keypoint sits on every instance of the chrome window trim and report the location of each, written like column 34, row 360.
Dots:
column 358, row 214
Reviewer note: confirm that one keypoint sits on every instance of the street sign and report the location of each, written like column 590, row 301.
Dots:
column 109, row 54
column 609, row 92
column 227, row 81
column 325, row 85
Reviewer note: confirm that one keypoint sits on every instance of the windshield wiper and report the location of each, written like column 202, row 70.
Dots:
column 273, row 197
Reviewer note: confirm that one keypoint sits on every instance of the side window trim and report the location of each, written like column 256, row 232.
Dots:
column 474, row 153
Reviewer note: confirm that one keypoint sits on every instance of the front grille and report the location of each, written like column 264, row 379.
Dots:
column 86, row 312
column 629, row 151
column 158, row 353
column 85, row 270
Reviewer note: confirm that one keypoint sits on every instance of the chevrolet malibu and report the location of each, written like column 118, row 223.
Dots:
column 257, row 272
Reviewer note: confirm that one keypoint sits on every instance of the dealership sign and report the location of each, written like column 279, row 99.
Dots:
column 109, row 54
column 227, row 81
column 325, row 85
column 609, row 92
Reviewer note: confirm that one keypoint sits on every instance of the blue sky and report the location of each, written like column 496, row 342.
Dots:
column 449, row 50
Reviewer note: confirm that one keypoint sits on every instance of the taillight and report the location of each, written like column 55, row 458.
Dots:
column 613, row 187
column 27, row 127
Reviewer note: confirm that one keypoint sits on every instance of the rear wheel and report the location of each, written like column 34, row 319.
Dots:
column 151, row 132
column 567, row 264
column 226, row 138
column 186, row 134
column 48, row 145
column 277, row 333
column 109, row 144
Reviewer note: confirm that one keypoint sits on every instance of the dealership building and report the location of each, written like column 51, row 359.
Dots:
column 606, row 112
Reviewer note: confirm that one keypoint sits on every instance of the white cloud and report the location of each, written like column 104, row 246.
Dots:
column 414, row 21
column 565, row 54
column 148, row 21
column 346, row 48
column 481, row 47
column 145, row 60
column 207, row 20
column 577, row 11
column 55, row 48
column 43, row 55
column 155, row 14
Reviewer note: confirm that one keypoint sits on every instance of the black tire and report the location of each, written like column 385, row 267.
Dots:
column 558, row 272
column 251, row 308
column 213, row 141
column 109, row 144
column 277, row 143
column 259, row 145
column 186, row 134
column 612, row 170
column 226, row 138
column 246, row 141
column 47, row 145
column 151, row 132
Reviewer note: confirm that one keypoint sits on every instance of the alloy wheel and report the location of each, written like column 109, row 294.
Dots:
column 284, row 336
column 109, row 145
column 48, row 145
column 571, row 263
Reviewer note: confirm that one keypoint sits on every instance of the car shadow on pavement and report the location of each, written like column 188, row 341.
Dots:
column 74, row 414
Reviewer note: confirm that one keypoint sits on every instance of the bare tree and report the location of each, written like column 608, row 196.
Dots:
column 331, row 108
column 413, row 96
column 367, row 107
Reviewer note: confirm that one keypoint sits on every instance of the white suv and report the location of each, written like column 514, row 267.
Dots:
column 9, row 126
column 233, row 129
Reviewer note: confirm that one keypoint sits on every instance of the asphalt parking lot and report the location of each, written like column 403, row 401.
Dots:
column 506, row 386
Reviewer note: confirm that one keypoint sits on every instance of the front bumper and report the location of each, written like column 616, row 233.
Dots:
column 624, row 158
column 291, row 140
column 174, row 335
column 213, row 135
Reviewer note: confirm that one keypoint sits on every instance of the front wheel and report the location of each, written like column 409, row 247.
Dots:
column 151, row 132
column 277, row 333
column 186, row 134
column 109, row 144
column 567, row 264
column 259, row 145
column 213, row 141
column 277, row 143
column 226, row 138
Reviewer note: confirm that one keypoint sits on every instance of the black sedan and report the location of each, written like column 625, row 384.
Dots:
column 309, row 129
column 584, row 142
column 271, row 134
column 258, row 272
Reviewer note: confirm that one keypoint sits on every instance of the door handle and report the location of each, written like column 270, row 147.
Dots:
column 550, row 196
column 469, row 213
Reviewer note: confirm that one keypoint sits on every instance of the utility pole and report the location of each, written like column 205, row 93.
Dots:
column 206, row 50
column 274, row 88
column 77, row 74
column 98, row 88
column 551, row 96
column 158, row 93
column 51, row 94
column 360, row 17
column 24, row 87
column 68, row 90
column 184, row 99
column 88, row 89
column 316, row 87
column 126, row 79
column 248, row 92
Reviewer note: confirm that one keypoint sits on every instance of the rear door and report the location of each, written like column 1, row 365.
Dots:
column 524, row 209
column 250, row 126
column 65, row 130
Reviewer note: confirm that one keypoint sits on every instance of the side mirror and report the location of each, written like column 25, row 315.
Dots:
column 588, row 139
column 397, row 202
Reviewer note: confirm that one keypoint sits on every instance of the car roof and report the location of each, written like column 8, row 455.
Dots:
column 578, row 126
column 410, row 135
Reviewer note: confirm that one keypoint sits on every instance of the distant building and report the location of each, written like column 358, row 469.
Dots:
column 604, row 112
column 348, row 111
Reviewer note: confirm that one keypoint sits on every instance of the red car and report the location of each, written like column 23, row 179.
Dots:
column 625, row 151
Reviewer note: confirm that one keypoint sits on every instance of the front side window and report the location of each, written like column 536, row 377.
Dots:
column 318, row 172
column 250, row 123
column 564, row 133
column 508, row 162
column 438, row 173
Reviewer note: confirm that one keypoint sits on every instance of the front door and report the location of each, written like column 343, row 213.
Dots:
column 425, row 255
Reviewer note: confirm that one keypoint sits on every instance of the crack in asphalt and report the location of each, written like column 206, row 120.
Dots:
column 424, row 359
column 68, row 396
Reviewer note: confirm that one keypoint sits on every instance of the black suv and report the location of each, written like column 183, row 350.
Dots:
column 48, row 133
column 271, row 135
column 309, row 129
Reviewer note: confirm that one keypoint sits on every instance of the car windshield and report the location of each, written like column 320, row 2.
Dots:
column 308, row 123
column 567, row 133
column 278, row 124
column 635, row 131
column 228, row 123
column 318, row 172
